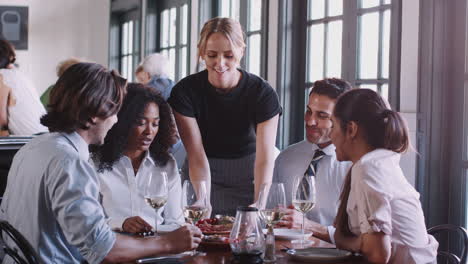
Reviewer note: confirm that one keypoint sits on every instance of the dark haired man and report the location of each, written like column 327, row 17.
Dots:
column 317, row 151
column 52, row 195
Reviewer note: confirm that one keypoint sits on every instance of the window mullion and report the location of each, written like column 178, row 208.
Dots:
column 177, row 43
column 380, row 51
column 243, row 14
column 325, row 48
column 394, row 60
column 349, row 41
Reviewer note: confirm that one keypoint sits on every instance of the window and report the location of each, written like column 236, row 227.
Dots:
column 251, row 14
column 351, row 40
column 124, row 39
column 129, row 49
column 170, row 34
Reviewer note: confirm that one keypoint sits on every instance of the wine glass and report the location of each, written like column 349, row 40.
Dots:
column 272, row 202
column 155, row 193
column 303, row 200
column 194, row 200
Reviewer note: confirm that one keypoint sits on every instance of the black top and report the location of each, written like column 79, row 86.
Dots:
column 227, row 121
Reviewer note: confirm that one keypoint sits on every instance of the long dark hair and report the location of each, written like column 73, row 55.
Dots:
column 382, row 127
column 137, row 98
column 84, row 91
column 7, row 54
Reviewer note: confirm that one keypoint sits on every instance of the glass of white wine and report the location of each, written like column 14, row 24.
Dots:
column 303, row 200
column 155, row 193
column 272, row 203
column 194, row 200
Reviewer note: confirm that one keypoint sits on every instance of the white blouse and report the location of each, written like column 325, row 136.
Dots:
column 122, row 196
column 382, row 200
column 24, row 116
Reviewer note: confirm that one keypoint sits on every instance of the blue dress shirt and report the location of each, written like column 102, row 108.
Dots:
column 52, row 199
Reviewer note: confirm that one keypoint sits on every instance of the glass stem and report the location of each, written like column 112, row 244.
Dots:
column 303, row 223
column 156, row 223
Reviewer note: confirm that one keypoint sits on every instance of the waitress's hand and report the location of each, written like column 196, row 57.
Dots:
column 208, row 212
column 136, row 224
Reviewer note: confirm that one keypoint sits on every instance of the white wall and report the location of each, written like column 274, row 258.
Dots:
column 59, row 29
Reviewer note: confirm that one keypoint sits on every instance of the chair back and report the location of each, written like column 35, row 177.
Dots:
column 452, row 258
column 22, row 252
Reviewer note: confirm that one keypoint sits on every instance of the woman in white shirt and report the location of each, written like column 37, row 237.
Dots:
column 22, row 116
column 136, row 145
column 380, row 214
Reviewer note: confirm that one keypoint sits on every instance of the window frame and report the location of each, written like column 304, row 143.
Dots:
column 350, row 17
column 244, row 13
column 292, row 44
column 156, row 8
column 121, row 13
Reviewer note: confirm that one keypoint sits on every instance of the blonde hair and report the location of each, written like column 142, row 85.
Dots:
column 229, row 27
column 64, row 65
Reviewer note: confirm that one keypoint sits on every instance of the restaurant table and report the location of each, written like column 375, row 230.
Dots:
column 225, row 256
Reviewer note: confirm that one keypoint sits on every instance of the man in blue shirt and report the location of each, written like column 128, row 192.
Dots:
column 52, row 195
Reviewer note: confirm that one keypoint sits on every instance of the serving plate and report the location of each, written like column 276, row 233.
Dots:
column 319, row 254
column 289, row 234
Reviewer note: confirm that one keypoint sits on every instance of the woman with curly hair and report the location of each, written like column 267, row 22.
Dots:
column 136, row 145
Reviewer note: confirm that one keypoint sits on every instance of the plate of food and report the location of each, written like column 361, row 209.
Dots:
column 215, row 242
column 218, row 225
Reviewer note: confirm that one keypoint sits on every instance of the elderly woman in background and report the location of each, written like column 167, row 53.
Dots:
column 227, row 119
column 20, row 117
column 153, row 72
column 61, row 68
column 380, row 214
column 138, row 144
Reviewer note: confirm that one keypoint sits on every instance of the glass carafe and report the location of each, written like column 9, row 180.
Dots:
column 247, row 239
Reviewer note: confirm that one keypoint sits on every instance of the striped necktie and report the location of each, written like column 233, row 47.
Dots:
column 312, row 168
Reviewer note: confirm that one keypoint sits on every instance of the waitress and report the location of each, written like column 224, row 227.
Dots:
column 227, row 119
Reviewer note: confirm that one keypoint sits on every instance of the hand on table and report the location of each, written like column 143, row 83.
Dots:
column 291, row 219
column 185, row 238
column 136, row 224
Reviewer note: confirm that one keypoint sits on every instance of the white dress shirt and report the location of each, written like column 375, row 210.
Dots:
column 24, row 116
column 330, row 176
column 52, row 198
column 122, row 194
column 382, row 200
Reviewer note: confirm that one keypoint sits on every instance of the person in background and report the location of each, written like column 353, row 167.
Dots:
column 138, row 145
column 61, row 68
column 6, row 100
column 380, row 214
column 23, row 116
column 227, row 119
column 318, row 150
column 52, row 194
column 153, row 72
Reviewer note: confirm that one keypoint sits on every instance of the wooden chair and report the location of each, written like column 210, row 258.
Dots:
column 452, row 258
column 22, row 252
